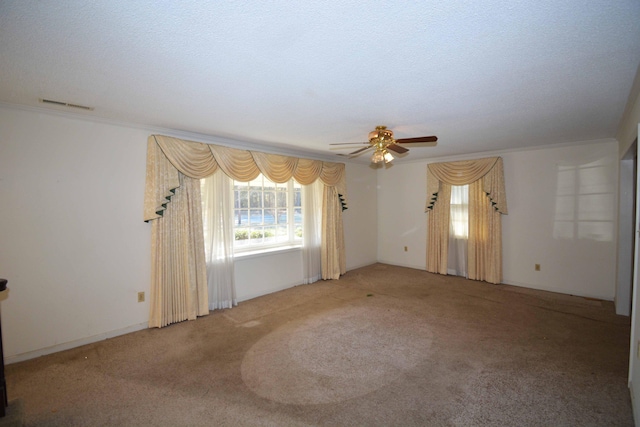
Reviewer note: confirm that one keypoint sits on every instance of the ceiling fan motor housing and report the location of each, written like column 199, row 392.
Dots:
column 381, row 134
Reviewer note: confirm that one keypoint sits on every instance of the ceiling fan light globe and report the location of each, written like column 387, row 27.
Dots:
column 377, row 157
column 387, row 156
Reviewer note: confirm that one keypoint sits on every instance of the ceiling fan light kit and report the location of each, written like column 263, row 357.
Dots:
column 382, row 141
column 381, row 138
column 381, row 156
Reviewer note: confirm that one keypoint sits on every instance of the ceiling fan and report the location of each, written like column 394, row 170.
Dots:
column 382, row 141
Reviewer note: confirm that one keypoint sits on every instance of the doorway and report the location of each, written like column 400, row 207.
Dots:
column 626, row 230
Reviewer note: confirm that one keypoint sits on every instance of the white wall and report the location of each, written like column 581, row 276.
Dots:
column 402, row 190
column 361, row 218
column 73, row 244
column 572, row 236
column 262, row 274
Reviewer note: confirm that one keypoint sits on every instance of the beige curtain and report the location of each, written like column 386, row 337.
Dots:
column 484, row 260
column 177, row 253
column 166, row 156
column 438, row 232
column 487, row 202
column 172, row 203
column 333, row 261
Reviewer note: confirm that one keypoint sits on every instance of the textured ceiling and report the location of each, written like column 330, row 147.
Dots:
column 481, row 75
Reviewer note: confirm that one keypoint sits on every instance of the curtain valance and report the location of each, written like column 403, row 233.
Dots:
column 166, row 156
column 489, row 169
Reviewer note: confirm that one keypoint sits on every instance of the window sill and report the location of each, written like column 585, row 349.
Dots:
column 266, row 252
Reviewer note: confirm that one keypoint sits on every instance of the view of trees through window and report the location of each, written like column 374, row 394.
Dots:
column 266, row 213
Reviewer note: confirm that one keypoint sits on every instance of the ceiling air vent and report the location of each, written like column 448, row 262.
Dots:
column 66, row 104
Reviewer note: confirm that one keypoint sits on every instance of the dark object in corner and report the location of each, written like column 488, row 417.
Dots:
column 3, row 383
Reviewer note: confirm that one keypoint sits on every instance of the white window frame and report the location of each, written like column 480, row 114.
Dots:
column 292, row 239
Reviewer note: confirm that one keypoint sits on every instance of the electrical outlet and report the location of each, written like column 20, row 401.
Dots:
column 140, row 296
column 406, row 249
column 537, row 267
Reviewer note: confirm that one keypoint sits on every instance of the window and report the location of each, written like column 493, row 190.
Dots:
column 458, row 230
column 459, row 211
column 266, row 214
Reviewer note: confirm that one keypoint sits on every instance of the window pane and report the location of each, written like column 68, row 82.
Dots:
column 282, row 198
column 282, row 216
column 297, row 216
column 242, row 235
column 297, row 198
column 269, row 199
column 255, row 199
column 241, row 217
column 459, row 212
column 270, row 234
column 283, row 231
column 269, row 216
column 256, row 216
column 256, row 235
column 242, row 199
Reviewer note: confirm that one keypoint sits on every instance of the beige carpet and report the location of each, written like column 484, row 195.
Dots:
column 384, row 345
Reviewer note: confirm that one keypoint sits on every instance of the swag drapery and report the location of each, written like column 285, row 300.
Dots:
column 172, row 204
column 487, row 202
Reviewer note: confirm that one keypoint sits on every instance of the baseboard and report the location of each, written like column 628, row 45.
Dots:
column 283, row 287
column 355, row 267
column 634, row 408
column 557, row 290
column 518, row 284
column 399, row 264
column 73, row 344
column 106, row 335
column 270, row 291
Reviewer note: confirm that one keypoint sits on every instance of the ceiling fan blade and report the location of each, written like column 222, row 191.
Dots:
column 355, row 153
column 397, row 148
column 417, row 140
column 349, row 143
column 359, row 151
